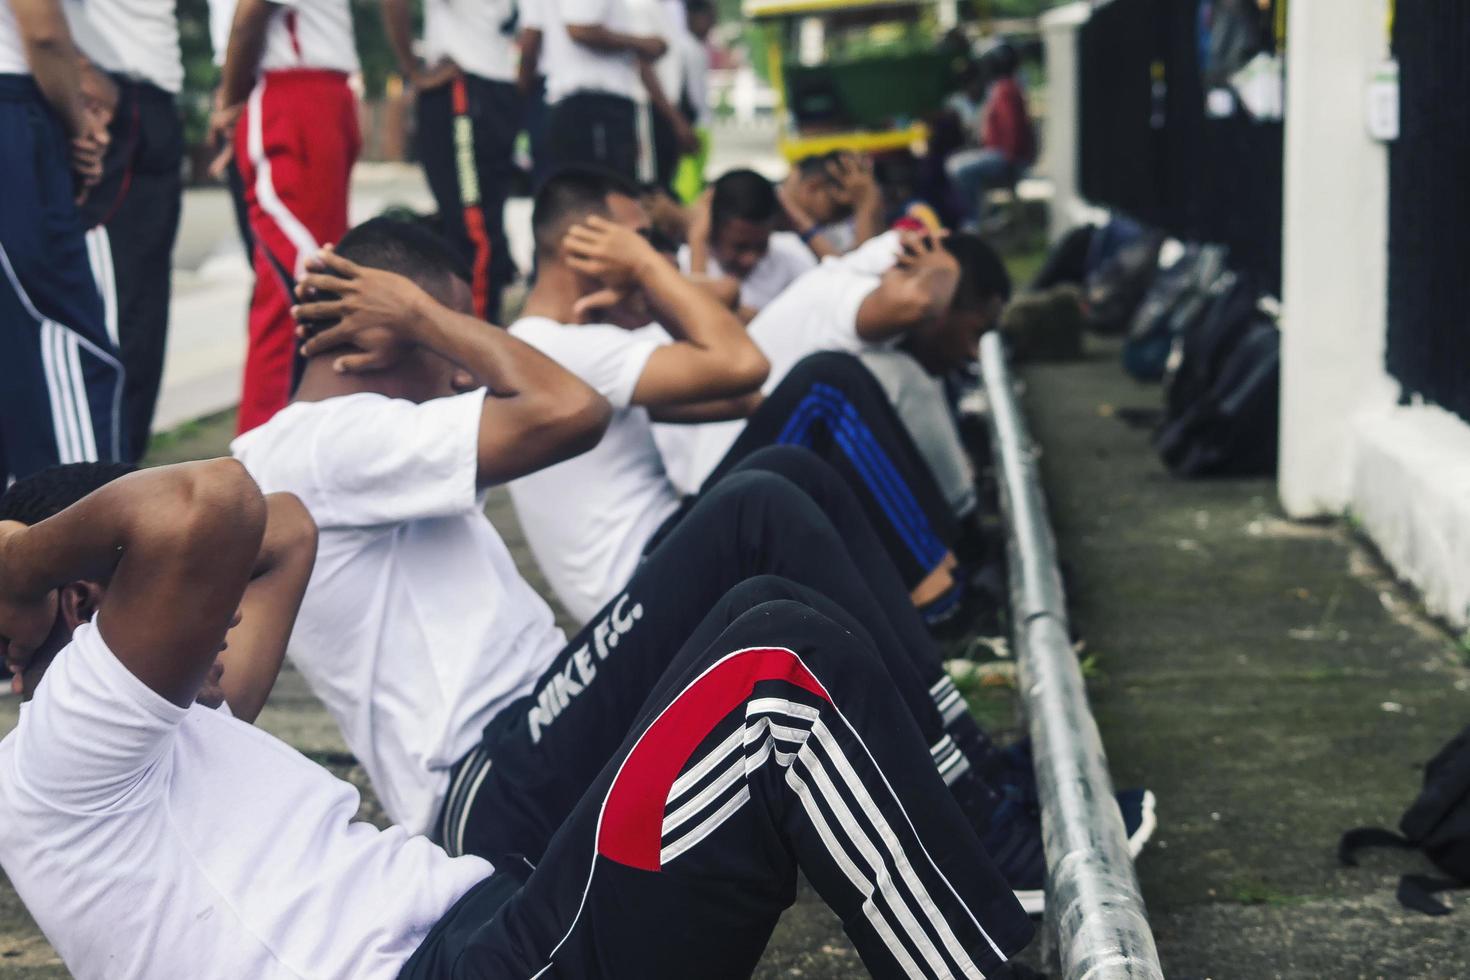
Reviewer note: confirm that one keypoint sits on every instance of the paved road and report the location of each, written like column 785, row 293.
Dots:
column 212, row 281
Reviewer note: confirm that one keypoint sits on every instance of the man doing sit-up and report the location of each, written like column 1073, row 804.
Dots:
column 913, row 308
column 617, row 314
column 154, row 838
column 476, row 720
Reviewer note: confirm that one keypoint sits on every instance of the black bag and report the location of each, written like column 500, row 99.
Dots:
column 1179, row 295
column 1232, row 429
column 1205, row 339
column 1116, row 285
column 1436, row 823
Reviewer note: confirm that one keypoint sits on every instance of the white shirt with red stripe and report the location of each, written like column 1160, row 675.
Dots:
column 310, row 34
column 477, row 35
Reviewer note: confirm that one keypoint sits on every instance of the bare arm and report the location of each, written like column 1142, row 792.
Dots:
column 800, row 221
column 256, row 646
column 599, row 38
column 398, row 23
column 711, row 357
column 53, row 59
column 530, row 66
column 855, row 175
column 242, row 56
column 921, row 285
column 659, row 100
column 177, row 543
column 536, row 412
column 714, row 410
column 701, row 221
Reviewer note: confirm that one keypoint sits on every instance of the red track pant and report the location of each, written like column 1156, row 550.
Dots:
column 295, row 145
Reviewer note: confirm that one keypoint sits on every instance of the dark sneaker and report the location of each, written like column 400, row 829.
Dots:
column 1017, row 782
column 1013, row 841
column 1139, row 819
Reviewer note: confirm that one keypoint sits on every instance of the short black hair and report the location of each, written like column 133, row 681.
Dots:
column 571, row 194
column 746, row 195
column 407, row 248
column 982, row 274
column 819, row 165
column 699, row 6
column 1002, row 60
column 46, row 493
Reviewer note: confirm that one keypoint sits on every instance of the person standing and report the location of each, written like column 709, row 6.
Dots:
column 469, row 113
column 590, row 58
column 699, row 18
column 138, row 201
column 531, row 82
column 285, row 100
column 663, row 128
column 61, row 380
column 1007, row 138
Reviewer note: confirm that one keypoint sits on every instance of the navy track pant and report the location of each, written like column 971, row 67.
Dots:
column 773, row 742
column 61, row 382
column 831, row 404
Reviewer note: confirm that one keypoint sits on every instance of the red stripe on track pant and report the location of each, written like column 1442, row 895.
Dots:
column 295, row 145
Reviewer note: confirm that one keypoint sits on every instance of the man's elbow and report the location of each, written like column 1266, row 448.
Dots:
column 751, row 369
column 50, row 39
column 220, row 501
column 585, row 419
column 585, row 34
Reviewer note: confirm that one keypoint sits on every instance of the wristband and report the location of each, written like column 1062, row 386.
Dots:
column 809, row 234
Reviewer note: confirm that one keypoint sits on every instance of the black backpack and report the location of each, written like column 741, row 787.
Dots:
column 1436, row 823
column 1178, row 298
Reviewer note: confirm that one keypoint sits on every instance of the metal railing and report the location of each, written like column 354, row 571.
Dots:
column 1093, row 904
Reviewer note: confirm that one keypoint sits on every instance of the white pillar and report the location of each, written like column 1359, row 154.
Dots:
column 1335, row 261
column 1059, row 27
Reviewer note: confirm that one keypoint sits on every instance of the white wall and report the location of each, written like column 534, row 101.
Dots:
column 1346, row 444
column 1059, row 28
column 1335, row 256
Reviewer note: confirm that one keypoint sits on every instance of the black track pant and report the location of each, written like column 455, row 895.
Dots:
column 783, row 513
column 134, row 218
column 832, row 405
column 466, row 139
column 593, row 128
column 773, row 741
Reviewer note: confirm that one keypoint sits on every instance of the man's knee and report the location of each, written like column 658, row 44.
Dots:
column 778, row 617
column 746, row 493
column 834, row 368
column 797, row 464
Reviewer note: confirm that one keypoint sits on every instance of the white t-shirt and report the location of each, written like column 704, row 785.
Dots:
column 139, row 39
column 471, row 33
column 817, row 312
column 587, row 519
column 153, row 842
column 696, row 78
column 310, row 34
column 416, row 628
column 785, row 261
column 872, row 258
column 221, row 19
column 12, row 49
column 571, row 67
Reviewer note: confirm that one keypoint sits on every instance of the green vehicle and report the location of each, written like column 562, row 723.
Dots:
column 857, row 74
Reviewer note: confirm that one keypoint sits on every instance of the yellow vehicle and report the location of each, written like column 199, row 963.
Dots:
column 857, row 74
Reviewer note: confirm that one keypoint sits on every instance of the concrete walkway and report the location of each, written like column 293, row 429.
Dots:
column 1266, row 680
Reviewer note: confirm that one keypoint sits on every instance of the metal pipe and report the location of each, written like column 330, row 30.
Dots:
column 1093, row 903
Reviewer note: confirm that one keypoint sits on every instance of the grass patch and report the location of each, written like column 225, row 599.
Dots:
column 1258, row 891
column 200, row 439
